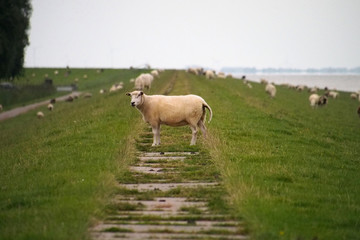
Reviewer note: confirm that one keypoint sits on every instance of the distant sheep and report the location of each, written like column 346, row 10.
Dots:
column 143, row 81
column 116, row 87
column 249, row 85
column 155, row 73
column 171, row 110
column 221, row 75
column 53, row 100
column 87, row 95
column 262, row 81
column 40, row 115
column 209, row 74
column 50, row 107
column 316, row 100
column 271, row 90
column 193, row 71
column 353, row 96
column 300, row 88
column 333, row 94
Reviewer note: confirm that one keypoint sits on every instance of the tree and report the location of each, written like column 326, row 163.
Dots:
column 14, row 24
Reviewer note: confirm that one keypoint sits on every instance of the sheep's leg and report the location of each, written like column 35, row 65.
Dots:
column 194, row 135
column 202, row 128
column 156, row 137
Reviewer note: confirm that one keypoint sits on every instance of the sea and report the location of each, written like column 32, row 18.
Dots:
column 340, row 82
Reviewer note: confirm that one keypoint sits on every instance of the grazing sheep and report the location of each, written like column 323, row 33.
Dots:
column 249, row 85
column 271, row 90
column 171, row 110
column 333, row 94
column 209, row 74
column 143, row 81
column 155, row 73
column 313, row 90
column 193, row 71
column 262, row 81
column 50, row 107
column 300, row 88
column 221, row 75
column 40, row 115
column 353, row 96
column 316, row 100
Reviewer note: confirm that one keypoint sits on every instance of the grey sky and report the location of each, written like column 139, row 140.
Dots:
column 181, row 33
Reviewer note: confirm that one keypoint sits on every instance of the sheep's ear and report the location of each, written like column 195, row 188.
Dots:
column 128, row 94
column 141, row 93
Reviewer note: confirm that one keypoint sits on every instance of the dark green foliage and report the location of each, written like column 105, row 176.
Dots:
column 14, row 23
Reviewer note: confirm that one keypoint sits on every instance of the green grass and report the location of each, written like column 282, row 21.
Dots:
column 289, row 171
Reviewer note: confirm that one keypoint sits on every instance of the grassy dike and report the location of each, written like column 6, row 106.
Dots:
column 289, row 170
column 58, row 173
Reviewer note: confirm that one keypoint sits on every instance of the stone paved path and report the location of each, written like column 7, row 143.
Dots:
column 163, row 200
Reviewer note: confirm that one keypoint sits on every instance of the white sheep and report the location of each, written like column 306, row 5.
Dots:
column 353, row 96
column 270, row 89
column 50, row 107
column 171, row 110
column 249, row 85
column 155, row 73
column 333, row 94
column 143, row 81
column 316, row 100
column 209, row 74
column 221, row 75
column 40, row 114
column 193, row 71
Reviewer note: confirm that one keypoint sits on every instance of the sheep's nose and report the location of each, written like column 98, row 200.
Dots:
column 133, row 104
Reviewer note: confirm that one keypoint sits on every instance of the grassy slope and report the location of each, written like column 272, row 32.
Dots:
column 291, row 171
column 58, row 171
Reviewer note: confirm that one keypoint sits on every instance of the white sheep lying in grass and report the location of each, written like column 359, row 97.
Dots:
column 171, row 110
column 316, row 100
column 143, row 81
column 270, row 89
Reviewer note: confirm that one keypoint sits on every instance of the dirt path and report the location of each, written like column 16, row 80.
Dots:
column 20, row 110
column 169, row 195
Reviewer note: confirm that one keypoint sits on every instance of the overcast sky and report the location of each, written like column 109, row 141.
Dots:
column 182, row 33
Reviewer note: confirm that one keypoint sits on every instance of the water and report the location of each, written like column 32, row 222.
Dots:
column 348, row 83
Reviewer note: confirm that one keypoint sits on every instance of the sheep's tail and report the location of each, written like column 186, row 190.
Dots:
column 205, row 105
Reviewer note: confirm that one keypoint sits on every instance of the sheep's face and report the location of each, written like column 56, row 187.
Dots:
column 136, row 98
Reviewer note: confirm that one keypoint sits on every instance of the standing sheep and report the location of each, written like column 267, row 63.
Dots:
column 271, row 90
column 171, row 110
column 209, row 74
column 143, row 81
column 316, row 100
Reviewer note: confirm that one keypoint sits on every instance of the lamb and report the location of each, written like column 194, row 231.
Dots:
column 143, row 81
column 171, row 110
column 316, row 100
column 270, row 89
column 353, row 96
